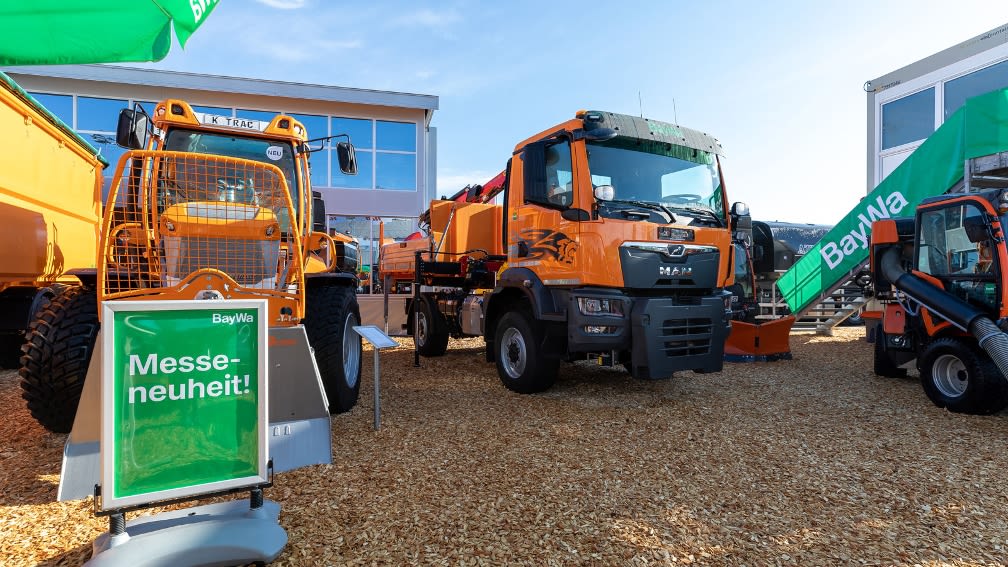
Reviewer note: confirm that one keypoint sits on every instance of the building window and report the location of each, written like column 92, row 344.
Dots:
column 395, row 171
column 318, row 127
column 366, row 231
column 263, row 115
column 59, row 105
column 98, row 114
column 908, row 119
column 215, row 110
column 395, row 155
column 976, row 83
column 386, row 154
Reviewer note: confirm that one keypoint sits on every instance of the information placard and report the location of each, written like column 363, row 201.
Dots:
column 183, row 398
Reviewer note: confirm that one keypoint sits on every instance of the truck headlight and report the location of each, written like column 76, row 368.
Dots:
column 598, row 306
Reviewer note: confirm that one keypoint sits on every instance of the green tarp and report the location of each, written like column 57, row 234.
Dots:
column 977, row 129
column 50, row 32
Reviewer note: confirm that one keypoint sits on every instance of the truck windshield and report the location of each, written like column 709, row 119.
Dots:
column 683, row 180
column 273, row 152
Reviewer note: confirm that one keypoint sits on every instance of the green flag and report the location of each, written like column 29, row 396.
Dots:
column 53, row 32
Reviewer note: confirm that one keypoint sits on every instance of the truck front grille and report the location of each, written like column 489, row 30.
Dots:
column 684, row 337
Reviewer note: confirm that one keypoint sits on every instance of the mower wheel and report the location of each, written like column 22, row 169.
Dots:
column 57, row 352
column 332, row 314
column 959, row 377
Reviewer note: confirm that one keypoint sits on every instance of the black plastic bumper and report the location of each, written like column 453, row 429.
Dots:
column 668, row 336
column 662, row 334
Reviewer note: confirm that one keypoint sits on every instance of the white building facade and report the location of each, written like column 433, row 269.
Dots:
column 907, row 105
column 395, row 145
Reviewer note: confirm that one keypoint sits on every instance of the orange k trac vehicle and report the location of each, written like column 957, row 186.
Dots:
column 942, row 278
column 612, row 242
column 208, row 207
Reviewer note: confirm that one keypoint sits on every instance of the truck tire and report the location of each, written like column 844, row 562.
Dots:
column 522, row 365
column 432, row 331
column 332, row 314
column 883, row 363
column 56, row 355
column 959, row 377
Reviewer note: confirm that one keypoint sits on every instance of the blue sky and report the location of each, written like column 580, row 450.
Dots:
column 778, row 82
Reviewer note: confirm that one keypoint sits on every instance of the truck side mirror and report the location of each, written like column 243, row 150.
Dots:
column 131, row 130
column 347, row 158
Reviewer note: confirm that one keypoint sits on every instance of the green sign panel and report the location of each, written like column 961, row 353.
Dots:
column 183, row 398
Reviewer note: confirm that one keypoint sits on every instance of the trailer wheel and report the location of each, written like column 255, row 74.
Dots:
column 883, row 363
column 960, row 378
column 332, row 314
column 432, row 330
column 521, row 363
column 57, row 352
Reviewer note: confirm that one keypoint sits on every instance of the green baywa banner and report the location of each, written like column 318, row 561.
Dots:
column 184, row 410
column 977, row 129
column 50, row 32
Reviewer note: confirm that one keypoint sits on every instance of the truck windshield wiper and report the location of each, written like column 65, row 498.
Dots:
column 702, row 211
column 646, row 205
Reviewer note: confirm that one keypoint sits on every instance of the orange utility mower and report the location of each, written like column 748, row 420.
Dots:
column 215, row 208
column 613, row 243
column 941, row 279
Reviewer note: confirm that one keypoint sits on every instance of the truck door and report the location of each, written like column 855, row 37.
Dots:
column 539, row 236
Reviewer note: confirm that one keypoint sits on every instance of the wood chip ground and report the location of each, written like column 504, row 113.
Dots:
column 813, row 461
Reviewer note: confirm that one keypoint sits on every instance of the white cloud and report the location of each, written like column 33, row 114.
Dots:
column 283, row 4
column 426, row 18
column 450, row 183
column 338, row 45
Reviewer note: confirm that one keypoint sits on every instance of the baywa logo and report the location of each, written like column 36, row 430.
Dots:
column 233, row 319
column 833, row 253
column 550, row 244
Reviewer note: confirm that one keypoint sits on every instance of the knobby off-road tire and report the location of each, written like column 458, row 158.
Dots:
column 522, row 364
column 883, row 363
column 332, row 314
column 432, row 330
column 959, row 377
column 57, row 352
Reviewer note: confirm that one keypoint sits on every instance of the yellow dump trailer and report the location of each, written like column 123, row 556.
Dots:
column 50, row 210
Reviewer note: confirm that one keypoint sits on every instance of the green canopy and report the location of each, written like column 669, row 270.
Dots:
column 52, row 32
column 977, row 129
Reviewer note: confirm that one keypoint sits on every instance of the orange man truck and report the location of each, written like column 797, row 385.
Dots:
column 612, row 243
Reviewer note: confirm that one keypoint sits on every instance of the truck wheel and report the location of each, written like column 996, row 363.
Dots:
column 57, row 352
column 332, row 314
column 432, row 331
column 960, row 378
column 521, row 363
column 883, row 364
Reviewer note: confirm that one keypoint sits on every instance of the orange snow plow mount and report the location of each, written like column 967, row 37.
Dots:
column 760, row 342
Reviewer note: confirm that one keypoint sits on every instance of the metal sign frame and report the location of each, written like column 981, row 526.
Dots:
column 116, row 496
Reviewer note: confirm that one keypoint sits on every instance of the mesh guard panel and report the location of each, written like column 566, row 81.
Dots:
column 177, row 215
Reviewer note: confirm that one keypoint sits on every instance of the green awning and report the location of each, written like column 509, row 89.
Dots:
column 977, row 129
column 52, row 32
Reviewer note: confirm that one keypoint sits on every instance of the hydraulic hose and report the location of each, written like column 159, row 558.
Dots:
column 949, row 307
